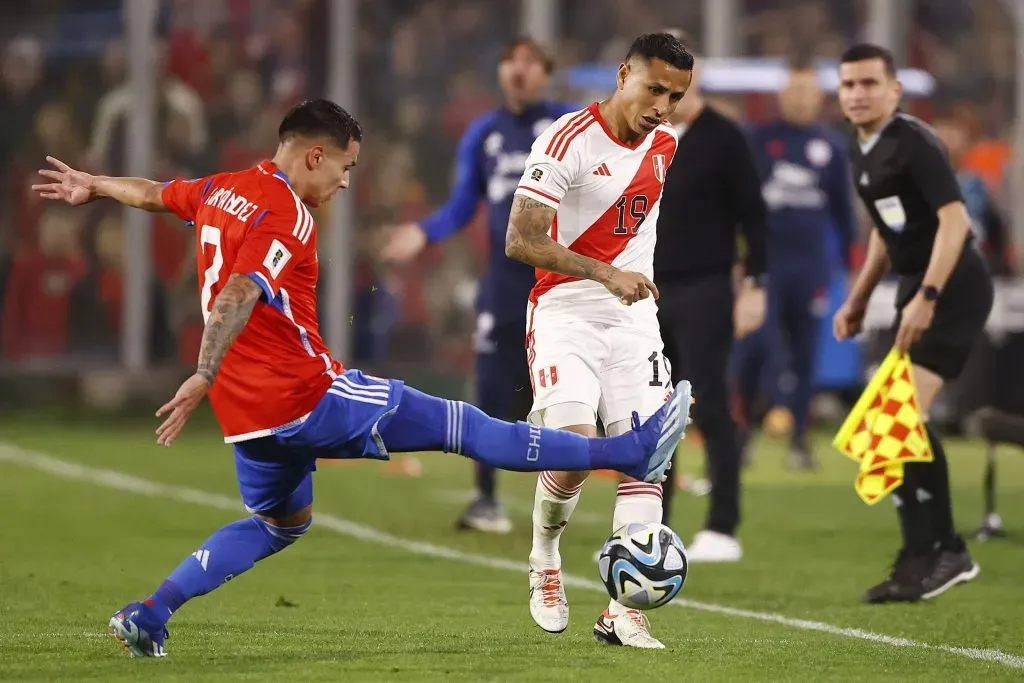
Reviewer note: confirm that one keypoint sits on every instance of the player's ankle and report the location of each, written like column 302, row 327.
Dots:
column 545, row 560
column 616, row 452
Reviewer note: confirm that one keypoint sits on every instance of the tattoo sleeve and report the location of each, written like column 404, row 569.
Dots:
column 527, row 240
column 231, row 311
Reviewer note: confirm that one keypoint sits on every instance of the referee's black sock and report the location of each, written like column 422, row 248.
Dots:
column 941, row 504
column 912, row 499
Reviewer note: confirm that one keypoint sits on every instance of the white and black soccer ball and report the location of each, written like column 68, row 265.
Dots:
column 643, row 566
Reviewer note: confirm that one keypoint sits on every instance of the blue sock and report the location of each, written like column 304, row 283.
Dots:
column 427, row 423
column 230, row 551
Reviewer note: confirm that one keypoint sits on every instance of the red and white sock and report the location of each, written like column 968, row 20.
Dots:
column 635, row 502
column 553, row 504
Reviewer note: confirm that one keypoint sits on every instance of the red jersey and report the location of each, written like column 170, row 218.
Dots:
column 251, row 222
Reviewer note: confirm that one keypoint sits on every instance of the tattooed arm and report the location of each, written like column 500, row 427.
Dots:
column 527, row 240
column 231, row 311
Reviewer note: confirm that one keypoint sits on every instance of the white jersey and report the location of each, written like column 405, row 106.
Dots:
column 607, row 195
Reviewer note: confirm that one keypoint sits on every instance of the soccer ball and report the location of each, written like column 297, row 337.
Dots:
column 643, row 566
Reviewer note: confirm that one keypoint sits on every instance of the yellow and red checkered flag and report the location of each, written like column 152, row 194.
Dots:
column 885, row 430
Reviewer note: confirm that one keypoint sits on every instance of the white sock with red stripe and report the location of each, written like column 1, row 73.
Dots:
column 552, row 506
column 635, row 502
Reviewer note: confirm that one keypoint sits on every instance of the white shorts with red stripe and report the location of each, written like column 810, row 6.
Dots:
column 611, row 369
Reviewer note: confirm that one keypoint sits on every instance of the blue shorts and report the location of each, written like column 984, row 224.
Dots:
column 275, row 472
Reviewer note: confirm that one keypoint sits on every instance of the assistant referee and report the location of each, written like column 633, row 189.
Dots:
column 921, row 231
column 712, row 188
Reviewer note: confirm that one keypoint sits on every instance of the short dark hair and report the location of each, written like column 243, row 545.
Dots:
column 663, row 46
column 536, row 48
column 688, row 41
column 314, row 118
column 862, row 52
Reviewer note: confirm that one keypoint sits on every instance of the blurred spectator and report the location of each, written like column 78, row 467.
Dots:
column 21, row 95
column 989, row 228
column 39, row 293
column 179, row 108
column 53, row 133
column 227, row 68
column 101, row 295
column 247, row 129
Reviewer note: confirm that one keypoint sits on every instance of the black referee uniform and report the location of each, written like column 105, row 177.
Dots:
column 903, row 176
column 711, row 189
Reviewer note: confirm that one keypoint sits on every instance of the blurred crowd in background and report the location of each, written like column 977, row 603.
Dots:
column 229, row 69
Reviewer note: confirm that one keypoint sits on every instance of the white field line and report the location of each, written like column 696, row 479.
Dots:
column 132, row 484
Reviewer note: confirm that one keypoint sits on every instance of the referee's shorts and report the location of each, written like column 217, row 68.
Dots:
column 960, row 315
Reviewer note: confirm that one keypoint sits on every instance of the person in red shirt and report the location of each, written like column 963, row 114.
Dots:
column 40, row 292
column 278, row 394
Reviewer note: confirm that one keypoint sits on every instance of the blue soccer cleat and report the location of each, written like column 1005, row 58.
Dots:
column 139, row 630
column 662, row 433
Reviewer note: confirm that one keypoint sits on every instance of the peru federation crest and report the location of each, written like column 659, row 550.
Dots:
column 659, row 167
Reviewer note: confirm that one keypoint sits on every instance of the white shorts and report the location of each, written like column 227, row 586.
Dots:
column 611, row 369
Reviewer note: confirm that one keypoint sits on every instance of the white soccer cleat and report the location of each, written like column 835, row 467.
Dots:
column 711, row 546
column 630, row 629
column 547, row 600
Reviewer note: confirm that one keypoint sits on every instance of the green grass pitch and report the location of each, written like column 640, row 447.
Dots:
column 384, row 588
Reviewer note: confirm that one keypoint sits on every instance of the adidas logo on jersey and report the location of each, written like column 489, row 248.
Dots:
column 602, row 170
column 864, row 178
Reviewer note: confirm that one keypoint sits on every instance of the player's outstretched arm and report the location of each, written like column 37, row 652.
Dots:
column 231, row 311
column 527, row 240
column 407, row 240
column 76, row 187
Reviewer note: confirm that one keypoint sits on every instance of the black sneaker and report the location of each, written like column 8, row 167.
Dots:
column 904, row 581
column 484, row 515
column 950, row 566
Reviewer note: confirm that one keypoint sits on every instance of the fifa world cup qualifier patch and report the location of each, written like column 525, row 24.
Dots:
column 536, row 174
column 276, row 259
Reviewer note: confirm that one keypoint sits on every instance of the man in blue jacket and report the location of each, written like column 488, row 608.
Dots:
column 808, row 192
column 490, row 161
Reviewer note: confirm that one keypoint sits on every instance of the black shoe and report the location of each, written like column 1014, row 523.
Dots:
column 484, row 515
column 904, row 583
column 950, row 566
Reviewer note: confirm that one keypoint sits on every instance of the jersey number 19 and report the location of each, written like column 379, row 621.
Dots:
column 637, row 214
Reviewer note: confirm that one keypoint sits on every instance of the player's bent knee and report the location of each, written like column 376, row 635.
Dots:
column 569, row 480
column 280, row 536
column 570, row 416
column 620, row 427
